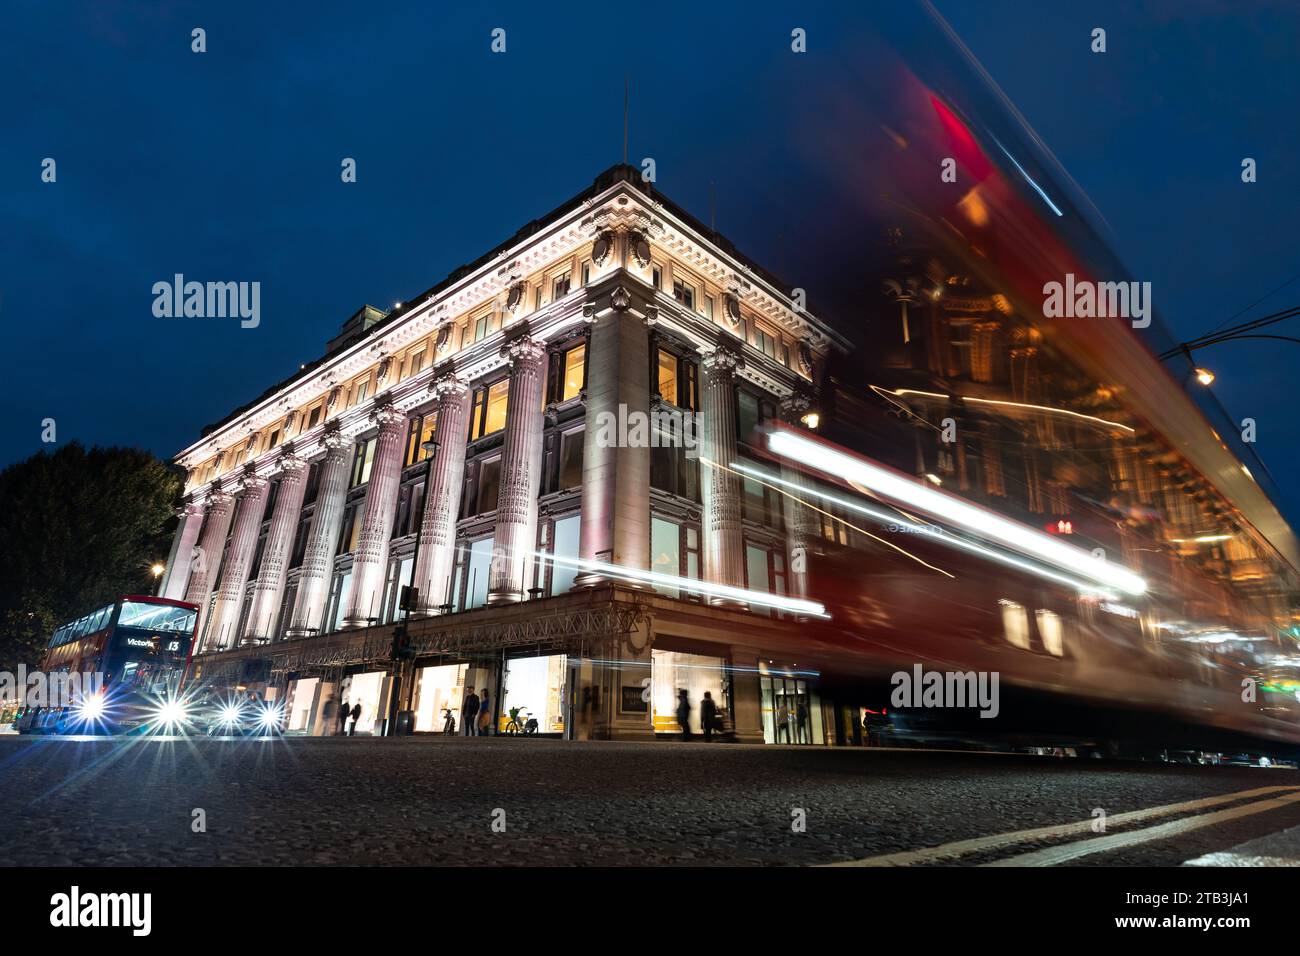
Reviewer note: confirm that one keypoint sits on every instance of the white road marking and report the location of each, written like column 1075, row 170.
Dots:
column 1241, row 859
column 962, row 848
column 1054, row 856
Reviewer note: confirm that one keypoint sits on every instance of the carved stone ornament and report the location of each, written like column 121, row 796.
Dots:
column 515, row 297
column 731, row 309
column 333, row 398
column 805, row 358
column 444, row 339
column 600, row 250
column 620, row 299
column 640, row 247
column 384, row 367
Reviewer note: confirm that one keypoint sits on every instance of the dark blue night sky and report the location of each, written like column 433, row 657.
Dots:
column 225, row 166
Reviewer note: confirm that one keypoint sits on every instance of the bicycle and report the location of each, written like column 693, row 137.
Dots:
column 514, row 726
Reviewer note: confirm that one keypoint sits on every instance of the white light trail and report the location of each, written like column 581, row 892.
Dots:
column 725, row 591
column 950, row 508
column 948, row 539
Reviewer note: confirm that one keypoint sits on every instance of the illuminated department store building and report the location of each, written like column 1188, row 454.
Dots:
column 454, row 444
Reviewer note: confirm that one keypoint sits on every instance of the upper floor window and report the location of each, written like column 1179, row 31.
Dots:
column 751, row 411
column 561, row 287
column 481, row 326
column 570, row 373
column 313, row 417
column 676, row 380
column 657, row 276
column 274, row 439
column 416, row 363
column 586, row 273
column 363, row 459
column 489, row 409
column 420, row 433
column 360, row 394
column 765, row 342
column 684, row 293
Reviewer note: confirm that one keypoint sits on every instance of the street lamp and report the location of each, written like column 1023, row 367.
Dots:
column 157, row 569
column 1204, row 376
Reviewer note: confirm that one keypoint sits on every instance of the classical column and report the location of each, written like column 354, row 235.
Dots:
column 615, row 525
column 234, row 570
column 206, row 558
column 322, row 536
column 371, row 557
column 437, row 544
column 521, row 458
column 269, row 588
column 801, row 522
column 177, row 574
column 724, row 539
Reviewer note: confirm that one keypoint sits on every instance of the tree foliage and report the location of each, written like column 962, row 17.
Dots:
column 78, row 529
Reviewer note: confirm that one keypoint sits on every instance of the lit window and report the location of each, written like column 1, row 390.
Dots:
column 668, row 376
column 480, row 327
column 561, row 287
column 1015, row 621
column 362, row 462
column 1050, row 630
column 765, row 342
column 422, row 429
column 362, row 388
column 490, row 408
column 574, row 366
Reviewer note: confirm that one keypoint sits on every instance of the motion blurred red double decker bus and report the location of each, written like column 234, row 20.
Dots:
column 135, row 649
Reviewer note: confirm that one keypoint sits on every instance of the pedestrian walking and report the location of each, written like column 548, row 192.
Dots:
column 708, row 716
column 469, row 715
column 485, row 714
column 684, row 714
column 356, row 716
column 330, row 709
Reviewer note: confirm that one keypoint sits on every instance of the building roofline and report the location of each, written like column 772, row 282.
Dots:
column 607, row 179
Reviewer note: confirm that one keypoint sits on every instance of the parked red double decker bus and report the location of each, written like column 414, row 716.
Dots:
column 132, row 655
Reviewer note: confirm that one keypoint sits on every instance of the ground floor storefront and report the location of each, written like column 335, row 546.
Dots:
column 613, row 666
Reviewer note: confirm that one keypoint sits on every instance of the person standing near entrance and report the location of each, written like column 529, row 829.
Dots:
column 344, row 713
column 485, row 714
column 356, row 716
column 469, row 714
column 708, row 716
column 684, row 714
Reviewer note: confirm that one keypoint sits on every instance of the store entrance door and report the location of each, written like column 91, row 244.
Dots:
column 792, row 712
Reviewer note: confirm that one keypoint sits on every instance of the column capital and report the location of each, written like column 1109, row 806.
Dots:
column 222, row 494
column 249, row 481
column 448, row 387
column 387, row 415
column 722, row 359
column 190, row 509
column 290, row 464
column 794, row 405
column 333, row 438
column 523, row 349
